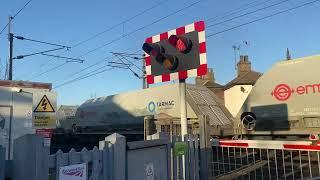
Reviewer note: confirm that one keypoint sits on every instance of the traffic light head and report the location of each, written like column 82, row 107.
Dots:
column 176, row 54
column 181, row 43
column 155, row 50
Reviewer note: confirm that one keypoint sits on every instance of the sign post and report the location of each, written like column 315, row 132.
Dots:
column 183, row 122
column 183, row 110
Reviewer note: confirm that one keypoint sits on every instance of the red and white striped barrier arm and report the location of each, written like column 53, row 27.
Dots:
column 267, row 144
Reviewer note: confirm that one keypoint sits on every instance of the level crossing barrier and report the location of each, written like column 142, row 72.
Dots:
column 264, row 159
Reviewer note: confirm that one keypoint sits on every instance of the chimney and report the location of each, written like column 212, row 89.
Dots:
column 288, row 54
column 205, row 78
column 244, row 65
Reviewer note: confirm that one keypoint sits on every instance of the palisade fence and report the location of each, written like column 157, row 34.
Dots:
column 99, row 162
column 115, row 159
column 192, row 161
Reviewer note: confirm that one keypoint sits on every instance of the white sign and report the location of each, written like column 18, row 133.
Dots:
column 73, row 172
column 149, row 171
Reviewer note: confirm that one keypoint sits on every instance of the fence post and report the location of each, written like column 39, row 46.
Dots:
column 30, row 158
column 60, row 161
column 205, row 148
column 119, row 155
column 2, row 162
column 96, row 164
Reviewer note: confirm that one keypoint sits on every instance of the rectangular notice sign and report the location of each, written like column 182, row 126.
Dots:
column 73, row 172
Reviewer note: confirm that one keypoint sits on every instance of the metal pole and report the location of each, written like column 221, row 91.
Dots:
column 10, row 39
column 183, row 108
column 184, row 122
column 144, row 84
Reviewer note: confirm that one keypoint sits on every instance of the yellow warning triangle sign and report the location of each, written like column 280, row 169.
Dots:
column 44, row 105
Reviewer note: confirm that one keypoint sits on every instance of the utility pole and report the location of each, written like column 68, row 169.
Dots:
column 10, row 39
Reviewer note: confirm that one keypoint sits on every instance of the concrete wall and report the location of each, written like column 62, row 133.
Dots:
column 235, row 96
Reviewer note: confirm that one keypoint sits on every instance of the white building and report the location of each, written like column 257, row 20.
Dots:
column 237, row 90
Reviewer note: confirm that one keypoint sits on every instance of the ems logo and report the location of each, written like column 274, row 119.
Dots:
column 44, row 105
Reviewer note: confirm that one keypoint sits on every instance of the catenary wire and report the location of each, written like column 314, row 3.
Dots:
column 17, row 13
column 142, row 27
column 265, row 17
column 112, row 27
column 94, row 64
column 237, row 10
column 280, row 12
column 88, row 73
column 126, row 35
column 248, row 13
column 134, row 31
column 91, row 73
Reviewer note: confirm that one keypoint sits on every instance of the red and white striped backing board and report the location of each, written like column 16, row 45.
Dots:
column 201, row 70
column 267, row 144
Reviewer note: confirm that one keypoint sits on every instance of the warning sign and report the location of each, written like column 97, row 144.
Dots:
column 44, row 110
column 44, row 105
column 43, row 121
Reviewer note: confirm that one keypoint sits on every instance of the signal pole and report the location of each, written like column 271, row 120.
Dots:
column 10, row 40
column 183, row 108
column 143, row 76
column 183, row 118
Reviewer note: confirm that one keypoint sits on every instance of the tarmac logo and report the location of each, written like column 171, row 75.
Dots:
column 161, row 105
column 44, row 105
column 151, row 107
column 283, row 92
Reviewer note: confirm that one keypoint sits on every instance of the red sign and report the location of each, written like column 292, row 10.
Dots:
column 46, row 133
column 283, row 92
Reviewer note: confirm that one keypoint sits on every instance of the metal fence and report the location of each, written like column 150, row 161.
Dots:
column 192, row 159
column 250, row 159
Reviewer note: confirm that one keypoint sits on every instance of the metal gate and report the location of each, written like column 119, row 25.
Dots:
column 262, row 159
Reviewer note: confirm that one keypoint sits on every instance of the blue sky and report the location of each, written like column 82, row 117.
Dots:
column 70, row 22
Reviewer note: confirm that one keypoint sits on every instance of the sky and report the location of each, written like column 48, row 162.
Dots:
column 70, row 22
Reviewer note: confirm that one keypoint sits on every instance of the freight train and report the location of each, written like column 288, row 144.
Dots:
column 125, row 114
column 284, row 102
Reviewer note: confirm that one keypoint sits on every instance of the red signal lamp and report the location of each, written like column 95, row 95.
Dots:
column 314, row 137
column 182, row 44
